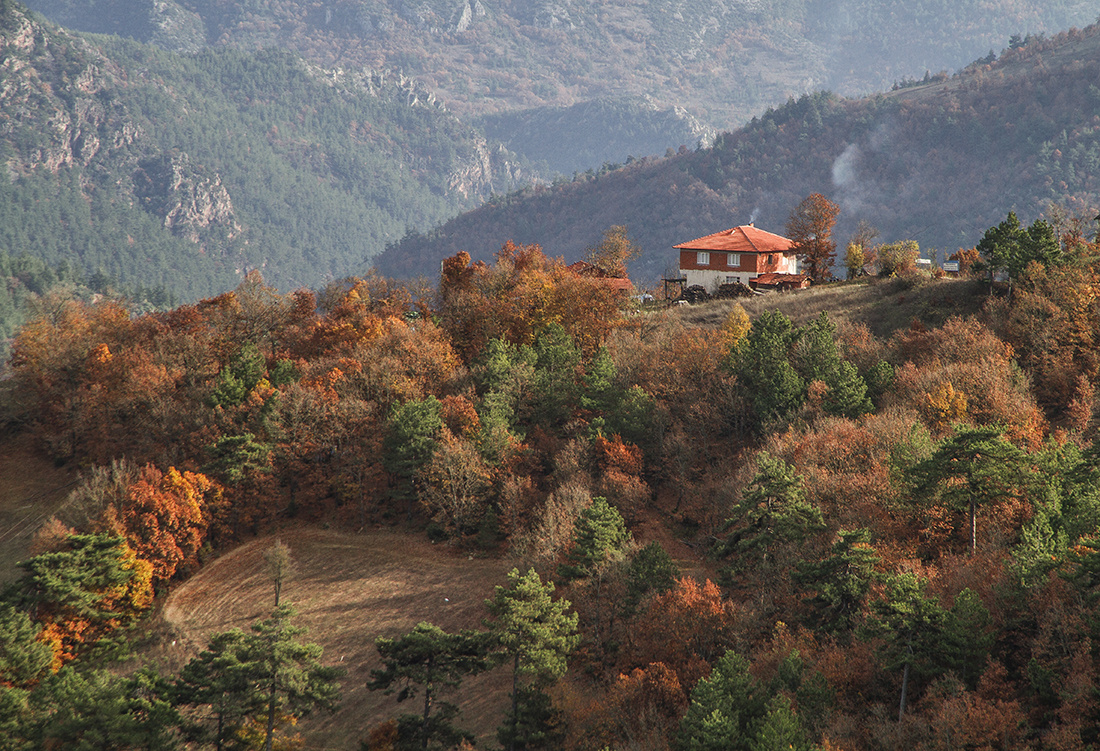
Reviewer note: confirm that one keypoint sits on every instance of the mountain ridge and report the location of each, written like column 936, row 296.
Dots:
column 938, row 163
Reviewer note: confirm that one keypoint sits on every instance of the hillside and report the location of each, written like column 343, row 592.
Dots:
column 937, row 162
column 184, row 172
column 859, row 517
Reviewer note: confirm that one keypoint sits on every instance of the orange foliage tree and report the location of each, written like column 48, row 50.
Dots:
column 810, row 229
column 165, row 517
column 521, row 294
column 686, row 628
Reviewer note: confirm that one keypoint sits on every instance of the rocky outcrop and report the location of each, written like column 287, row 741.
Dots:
column 55, row 107
column 487, row 170
column 468, row 14
column 176, row 29
column 187, row 200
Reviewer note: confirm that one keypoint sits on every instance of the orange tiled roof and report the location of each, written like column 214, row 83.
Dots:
column 743, row 239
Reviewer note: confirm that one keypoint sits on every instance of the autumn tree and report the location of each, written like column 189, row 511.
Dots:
column 687, row 628
column 895, row 259
column 854, row 260
column 613, row 251
column 810, row 229
column 165, row 517
column 455, row 485
column 864, row 238
column 431, row 660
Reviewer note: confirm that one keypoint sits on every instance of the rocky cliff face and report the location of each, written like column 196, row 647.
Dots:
column 481, row 169
column 58, row 109
column 186, row 198
column 53, row 107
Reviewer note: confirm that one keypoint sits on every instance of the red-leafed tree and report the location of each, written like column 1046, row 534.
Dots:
column 810, row 228
column 165, row 515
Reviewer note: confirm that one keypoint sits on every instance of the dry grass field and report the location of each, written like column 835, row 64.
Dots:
column 348, row 589
column 31, row 490
column 883, row 305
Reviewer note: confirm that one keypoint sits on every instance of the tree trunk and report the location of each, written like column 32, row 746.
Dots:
column 270, row 717
column 905, row 678
column 973, row 526
column 427, row 706
column 515, row 704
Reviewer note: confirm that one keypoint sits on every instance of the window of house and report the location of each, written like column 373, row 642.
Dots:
column 733, row 260
column 732, row 280
column 702, row 258
column 771, row 258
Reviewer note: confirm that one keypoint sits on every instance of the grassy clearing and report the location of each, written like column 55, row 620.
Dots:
column 883, row 305
column 31, row 490
column 348, row 589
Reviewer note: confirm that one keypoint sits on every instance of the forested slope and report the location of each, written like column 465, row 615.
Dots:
column 186, row 171
column 936, row 162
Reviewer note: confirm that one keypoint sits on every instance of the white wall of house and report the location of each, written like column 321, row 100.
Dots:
column 709, row 280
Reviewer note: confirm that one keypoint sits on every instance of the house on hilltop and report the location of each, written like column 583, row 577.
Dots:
column 742, row 255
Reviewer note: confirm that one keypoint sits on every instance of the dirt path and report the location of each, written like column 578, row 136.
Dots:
column 348, row 589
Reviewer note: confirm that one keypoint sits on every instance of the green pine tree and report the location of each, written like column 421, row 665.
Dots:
column 764, row 372
column 841, row 581
column 433, row 660
column 288, row 672
column 781, row 729
column 219, row 687
column 599, row 534
column 651, row 571
column 535, row 633
column 726, row 709
column 911, row 625
column 973, row 468
column 773, row 512
column 23, row 658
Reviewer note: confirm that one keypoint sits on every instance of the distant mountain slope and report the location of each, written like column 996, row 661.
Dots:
column 185, row 171
column 938, row 162
column 722, row 60
column 591, row 133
